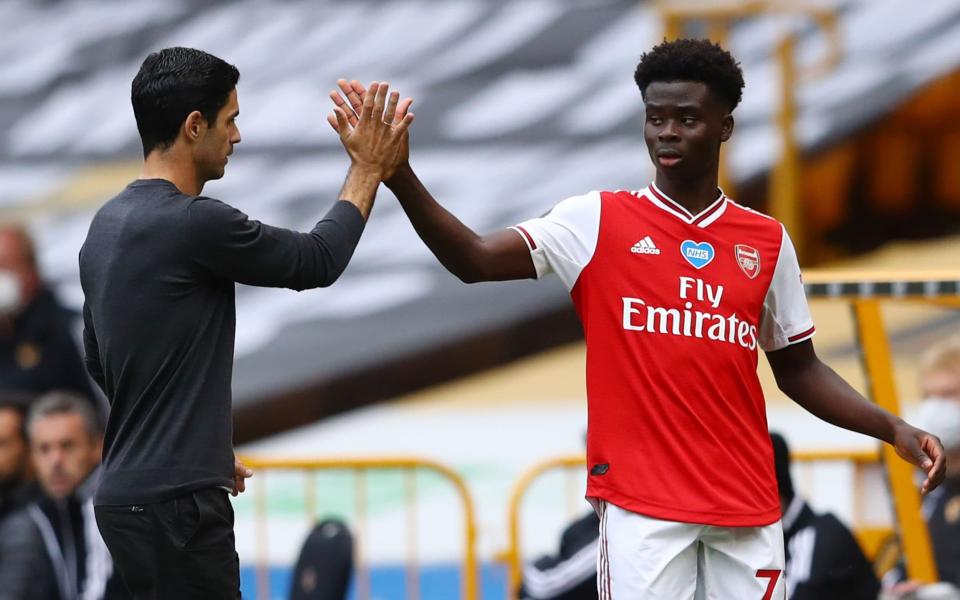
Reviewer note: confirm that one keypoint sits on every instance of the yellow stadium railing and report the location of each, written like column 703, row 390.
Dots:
column 865, row 291
column 470, row 584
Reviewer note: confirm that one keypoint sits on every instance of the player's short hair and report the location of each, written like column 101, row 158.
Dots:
column 170, row 85
column 692, row 60
column 943, row 357
column 65, row 403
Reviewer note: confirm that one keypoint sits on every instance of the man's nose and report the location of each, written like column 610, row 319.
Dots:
column 668, row 132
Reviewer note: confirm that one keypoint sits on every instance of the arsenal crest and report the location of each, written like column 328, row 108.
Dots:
column 749, row 260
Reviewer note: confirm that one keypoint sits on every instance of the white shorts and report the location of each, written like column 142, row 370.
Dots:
column 641, row 558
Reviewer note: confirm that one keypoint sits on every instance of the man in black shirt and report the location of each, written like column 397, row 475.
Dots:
column 38, row 350
column 158, row 269
column 823, row 559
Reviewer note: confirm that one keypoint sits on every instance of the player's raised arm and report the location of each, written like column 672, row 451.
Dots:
column 499, row 256
column 803, row 377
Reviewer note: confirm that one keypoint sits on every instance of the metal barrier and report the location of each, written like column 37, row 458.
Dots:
column 575, row 466
column 470, row 584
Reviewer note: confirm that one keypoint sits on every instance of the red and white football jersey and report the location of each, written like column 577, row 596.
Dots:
column 674, row 307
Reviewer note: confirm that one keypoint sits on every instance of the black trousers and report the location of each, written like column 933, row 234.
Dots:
column 182, row 548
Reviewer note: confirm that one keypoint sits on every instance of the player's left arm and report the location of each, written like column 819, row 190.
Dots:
column 802, row 376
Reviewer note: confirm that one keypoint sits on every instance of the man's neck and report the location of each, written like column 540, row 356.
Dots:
column 171, row 166
column 692, row 195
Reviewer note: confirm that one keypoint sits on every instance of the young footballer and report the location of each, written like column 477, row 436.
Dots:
column 677, row 287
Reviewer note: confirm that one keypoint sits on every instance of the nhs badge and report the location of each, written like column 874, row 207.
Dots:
column 698, row 254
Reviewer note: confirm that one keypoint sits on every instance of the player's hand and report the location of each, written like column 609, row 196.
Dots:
column 240, row 474
column 350, row 98
column 924, row 450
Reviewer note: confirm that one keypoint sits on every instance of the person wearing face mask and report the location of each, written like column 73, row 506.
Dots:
column 939, row 413
column 38, row 352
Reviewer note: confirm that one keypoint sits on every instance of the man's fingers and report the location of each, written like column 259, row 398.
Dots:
column 332, row 119
column 367, row 108
column 380, row 100
column 343, row 126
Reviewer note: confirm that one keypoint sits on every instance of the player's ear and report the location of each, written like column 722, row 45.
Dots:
column 194, row 126
column 726, row 128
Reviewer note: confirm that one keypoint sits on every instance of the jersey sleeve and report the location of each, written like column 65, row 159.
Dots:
column 786, row 317
column 563, row 241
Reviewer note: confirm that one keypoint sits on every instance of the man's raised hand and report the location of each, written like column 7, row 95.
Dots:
column 349, row 103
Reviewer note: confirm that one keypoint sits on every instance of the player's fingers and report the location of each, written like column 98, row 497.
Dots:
column 347, row 108
column 332, row 119
column 938, row 465
column 367, row 108
column 402, row 109
column 354, row 93
column 404, row 124
column 391, row 111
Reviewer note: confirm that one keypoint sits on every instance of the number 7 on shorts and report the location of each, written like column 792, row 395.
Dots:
column 772, row 576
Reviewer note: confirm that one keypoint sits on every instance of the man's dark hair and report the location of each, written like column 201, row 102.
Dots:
column 692, row 60
column 781, row 463
column 18, row 402
column 170, row 85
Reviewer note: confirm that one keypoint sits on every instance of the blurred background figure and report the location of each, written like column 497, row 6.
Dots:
column 824, row 560
column 325, row 564
column 51, row 548
column 940, row 372
column 939, row 412
column 38, row 350
column 16, row 471
column 571, row 573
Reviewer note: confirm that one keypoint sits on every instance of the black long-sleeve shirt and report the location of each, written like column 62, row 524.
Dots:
column 158, row 269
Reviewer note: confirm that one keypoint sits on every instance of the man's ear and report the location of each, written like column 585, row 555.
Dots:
column 194, row 126
column 726, row 129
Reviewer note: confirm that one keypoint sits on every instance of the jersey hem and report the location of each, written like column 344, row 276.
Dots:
column 653, row 510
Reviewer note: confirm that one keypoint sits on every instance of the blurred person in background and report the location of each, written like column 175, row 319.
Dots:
column 51, row 549
column 823, row 559
column 571, row 574
column 939, row 412
column 158, row 270
column 38, row 351
column 677, row 287
column 17, row 486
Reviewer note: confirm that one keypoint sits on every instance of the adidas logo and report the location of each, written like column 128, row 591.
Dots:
column 645, row 246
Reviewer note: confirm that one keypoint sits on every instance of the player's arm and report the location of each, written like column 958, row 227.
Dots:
column 802, row 376
column 229, row 244
column 499, row 256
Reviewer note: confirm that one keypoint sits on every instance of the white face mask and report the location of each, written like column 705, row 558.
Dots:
column 941, row 417
column 11, row 293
